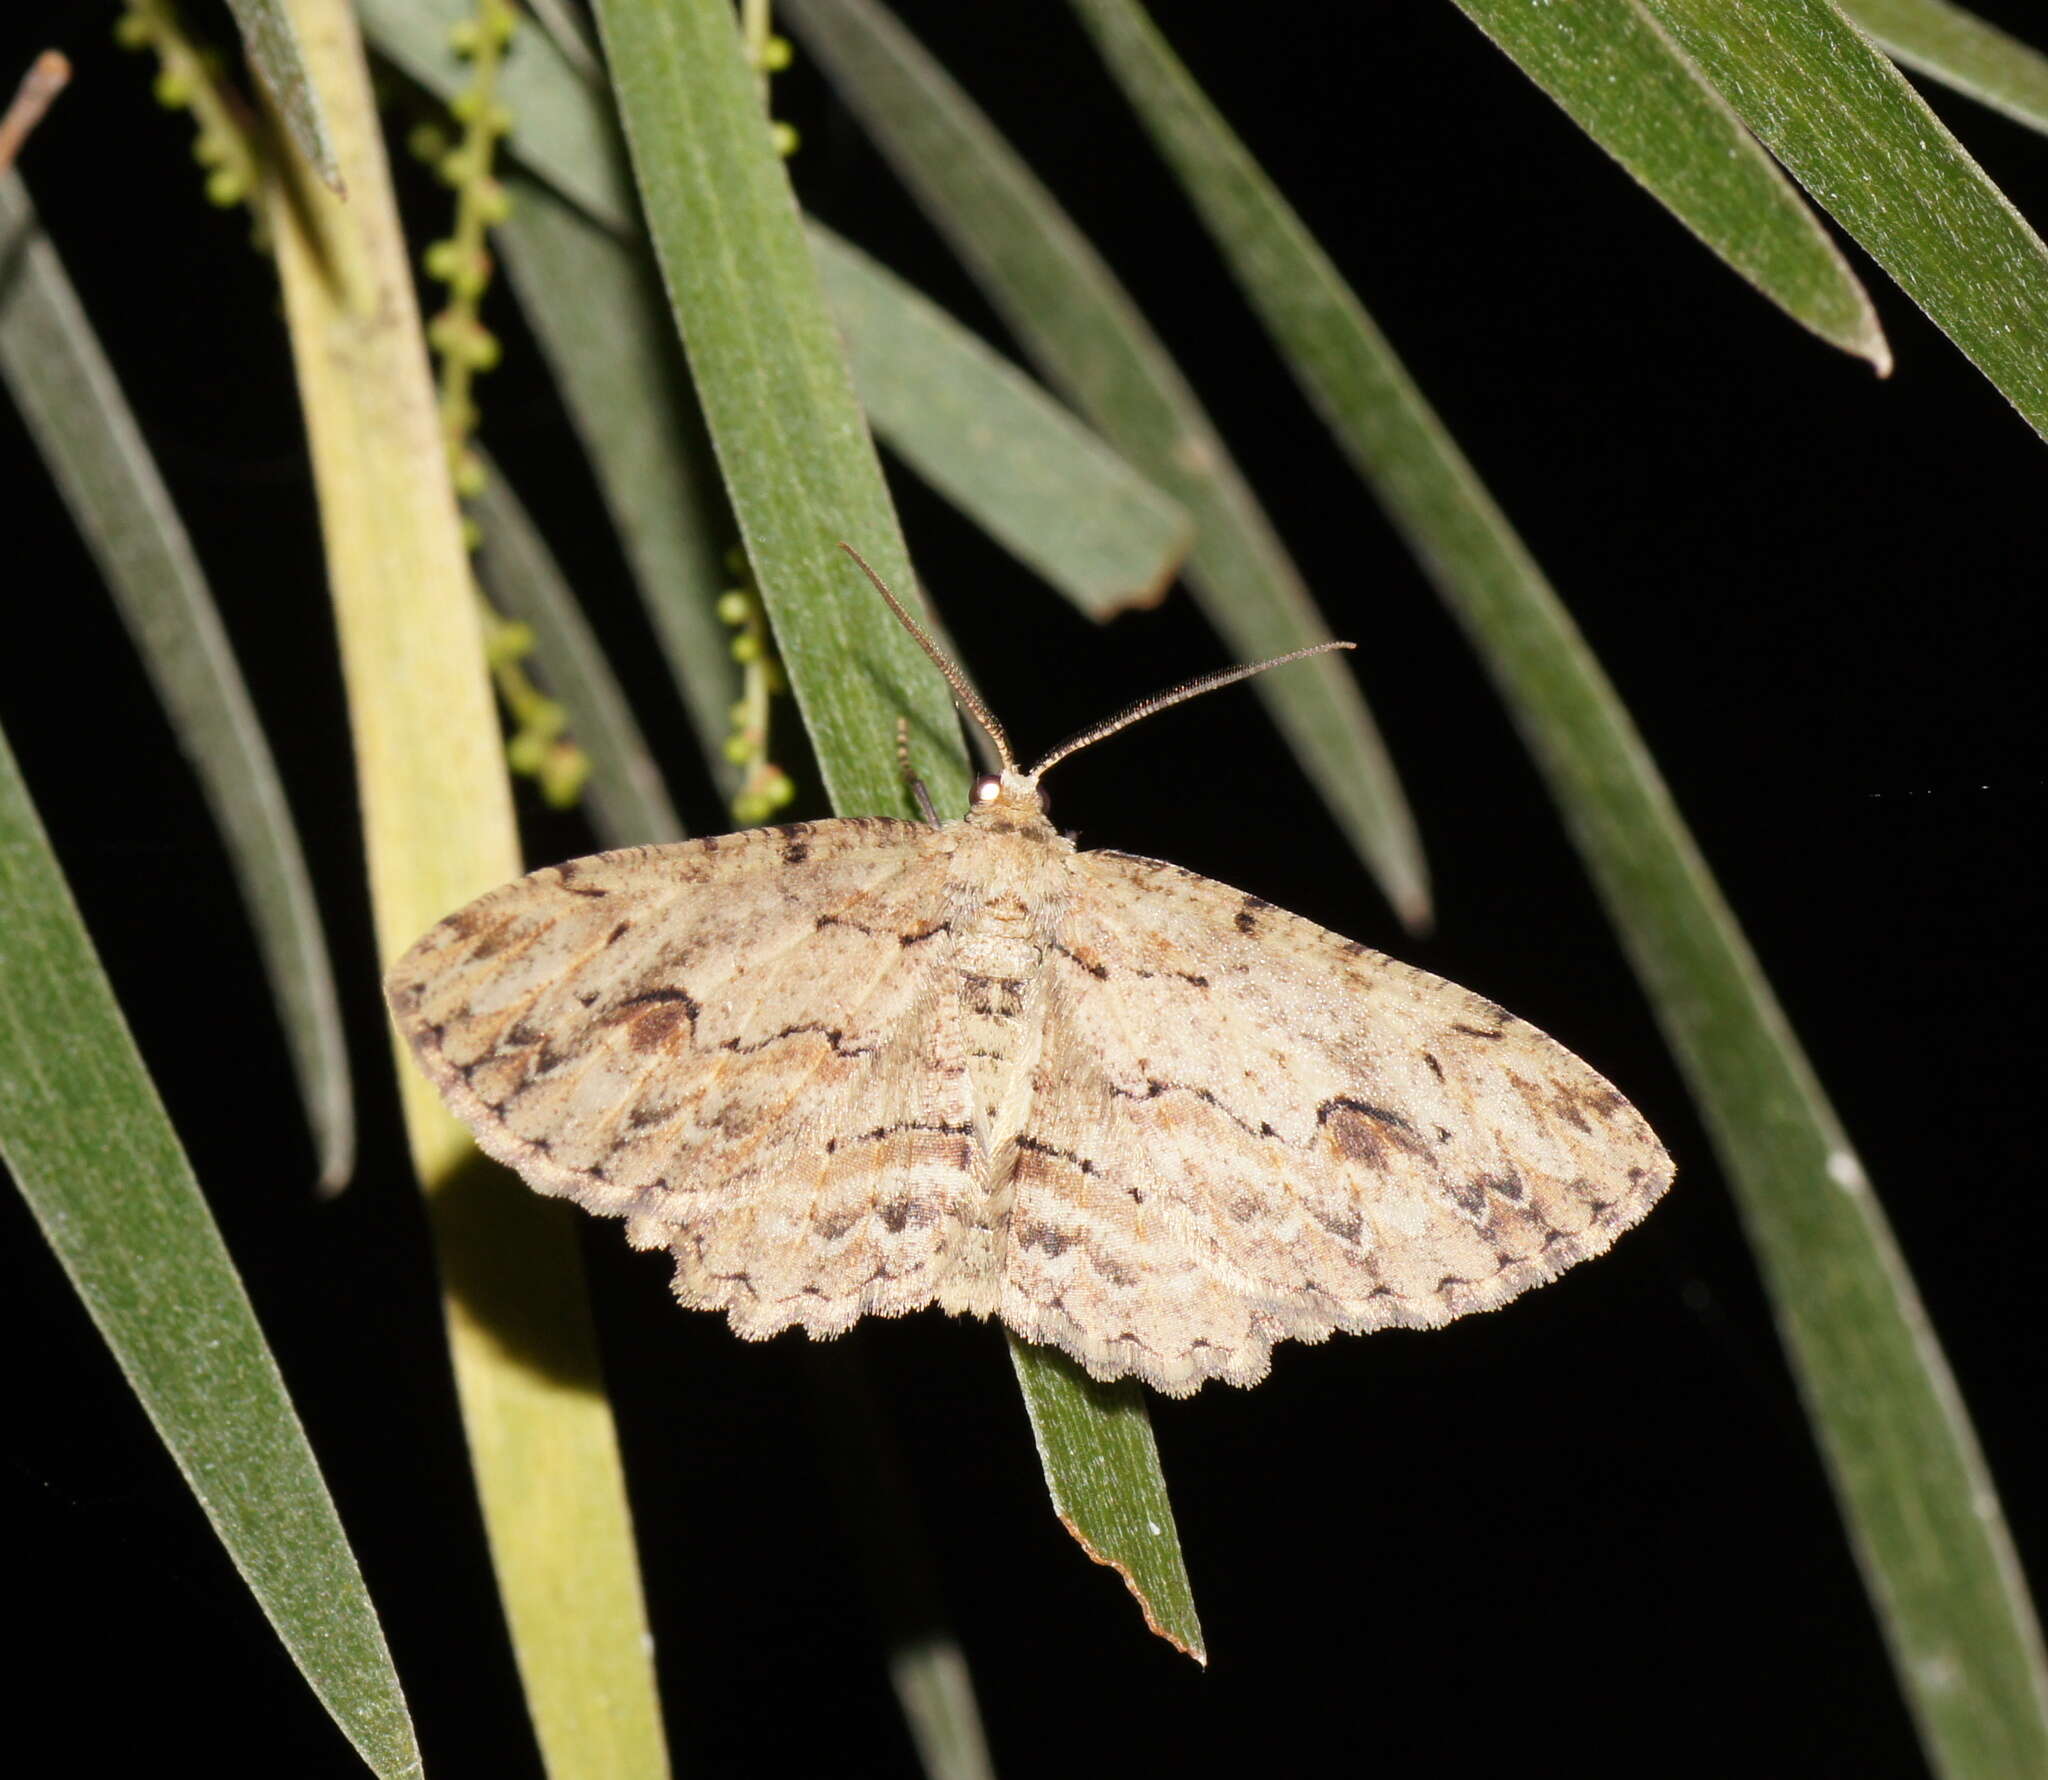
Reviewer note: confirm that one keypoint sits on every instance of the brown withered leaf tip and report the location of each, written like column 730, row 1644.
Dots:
column 854, row 1068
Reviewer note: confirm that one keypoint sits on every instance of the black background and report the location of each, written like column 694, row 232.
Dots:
column 1591, row 1533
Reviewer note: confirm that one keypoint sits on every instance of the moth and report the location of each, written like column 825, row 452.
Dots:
column 858, row 1067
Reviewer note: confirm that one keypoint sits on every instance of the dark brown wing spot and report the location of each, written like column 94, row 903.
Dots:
column 1083, row 956
column 655, row 1017
column 566, row 874
column 1366, row 1133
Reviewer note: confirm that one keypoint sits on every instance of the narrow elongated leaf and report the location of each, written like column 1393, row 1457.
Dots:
column 1854, row 133
column 1094, row 1440
column 628, row 396
column 86, row 1139
column 66, row 391
column 1079, row 326
column 1000, row 449
column 1621, row 80
column 790, row 438
column 273, row 50
column 795, row 452
column 438, row 831
column 629, row 806
column 1960, row 50
column 1908, row 1473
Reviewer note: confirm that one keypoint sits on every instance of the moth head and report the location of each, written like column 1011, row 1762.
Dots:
column 1018, row 788
column 1007, row 793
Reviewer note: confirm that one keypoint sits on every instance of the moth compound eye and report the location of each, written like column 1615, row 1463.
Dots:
column 987, row 789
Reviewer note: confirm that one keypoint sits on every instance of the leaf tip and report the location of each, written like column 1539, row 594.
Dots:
column 1187, row 1641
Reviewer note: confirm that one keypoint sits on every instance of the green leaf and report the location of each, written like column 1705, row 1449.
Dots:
column 790, row 438
column 437, row 824
column 1909, row 1476
column 67, row 393
column 1960, row 50
column 1095, row 1442
column 1081, row 329
column 628, row 804
column 272, row 46
column 87, row 1141
column 996, row 446
column 1617, row 75
column 796, row 456
column 628, row 395
column 1853, row 132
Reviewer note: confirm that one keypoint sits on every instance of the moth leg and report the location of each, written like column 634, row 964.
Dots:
column 910, row 778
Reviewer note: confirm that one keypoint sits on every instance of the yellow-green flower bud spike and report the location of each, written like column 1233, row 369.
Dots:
column 777, row 787
column 493, row 202
column 746, row 649
column 466, row 106
column 776, row 55
column 507, row 642
column 739, row 714
column 472, row 536
column 738, row 749
column 440, row 260
column 734, row 605
column 470, row 476
column 134, row 30
column 427, row 142
column 784, row 137
column 751, row 808
column 563, row 774
column 525, row 753
column 173, row 90
column 772, row 681
column 225, row 187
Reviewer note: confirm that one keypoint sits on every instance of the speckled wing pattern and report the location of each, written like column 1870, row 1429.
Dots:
column 735, row 1045
column 857, row 1067
column 1263, row 1131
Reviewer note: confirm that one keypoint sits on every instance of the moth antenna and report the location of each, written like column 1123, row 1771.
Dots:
column 965, row 694
column 1173, row 696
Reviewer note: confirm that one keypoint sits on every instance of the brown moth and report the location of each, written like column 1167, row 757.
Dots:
column 853, row 1068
